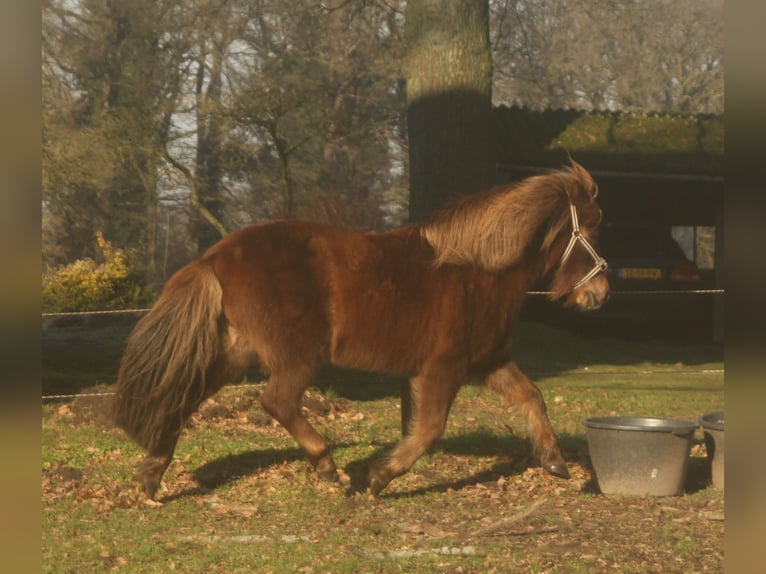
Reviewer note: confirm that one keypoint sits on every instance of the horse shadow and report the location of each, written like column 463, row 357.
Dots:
column 219, row 472
column 513, row 457
column 214, row 474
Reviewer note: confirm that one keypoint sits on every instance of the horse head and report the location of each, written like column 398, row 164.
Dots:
column 579, row 277
column 546, row 224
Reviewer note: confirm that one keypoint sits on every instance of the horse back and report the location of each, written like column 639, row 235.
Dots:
column 298, row 290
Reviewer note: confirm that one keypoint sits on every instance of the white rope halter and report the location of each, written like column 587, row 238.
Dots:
column 577, row 237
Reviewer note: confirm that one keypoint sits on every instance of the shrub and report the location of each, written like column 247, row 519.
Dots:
column 89, row 286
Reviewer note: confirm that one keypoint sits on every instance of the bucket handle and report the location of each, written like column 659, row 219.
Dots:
column 685, row 431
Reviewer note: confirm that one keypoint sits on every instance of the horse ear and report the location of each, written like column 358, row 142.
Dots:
column 581, row 186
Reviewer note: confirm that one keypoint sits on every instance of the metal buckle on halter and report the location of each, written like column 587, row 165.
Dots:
column 577, row 237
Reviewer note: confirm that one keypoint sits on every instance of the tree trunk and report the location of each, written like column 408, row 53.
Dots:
column 449, row 109
column 449, row 101
column 208, row 168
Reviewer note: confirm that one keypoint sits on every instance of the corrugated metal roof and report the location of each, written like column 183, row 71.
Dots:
column 610, row 141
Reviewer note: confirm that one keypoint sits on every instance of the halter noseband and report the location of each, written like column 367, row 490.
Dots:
column 577, row 237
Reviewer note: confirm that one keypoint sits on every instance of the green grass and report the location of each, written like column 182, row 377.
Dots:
column 240, row 497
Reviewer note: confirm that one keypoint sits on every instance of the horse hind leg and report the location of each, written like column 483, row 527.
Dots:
column 282, row 400
column 524, row 395
column 159, row 457
column 153, row 467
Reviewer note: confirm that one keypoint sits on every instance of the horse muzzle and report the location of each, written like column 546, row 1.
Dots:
column 592, row 295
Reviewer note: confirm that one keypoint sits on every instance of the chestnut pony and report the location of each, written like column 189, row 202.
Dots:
column 435, row 302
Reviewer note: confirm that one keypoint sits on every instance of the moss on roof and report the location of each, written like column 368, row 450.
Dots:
column 615, row 141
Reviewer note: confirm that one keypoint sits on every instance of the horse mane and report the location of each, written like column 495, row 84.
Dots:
column 496, row 228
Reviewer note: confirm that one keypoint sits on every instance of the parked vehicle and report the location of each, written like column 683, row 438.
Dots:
column 648, row 274
column 646, row 259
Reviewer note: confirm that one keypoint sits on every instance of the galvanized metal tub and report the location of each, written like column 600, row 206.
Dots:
column 712, row 428
column 640, row 455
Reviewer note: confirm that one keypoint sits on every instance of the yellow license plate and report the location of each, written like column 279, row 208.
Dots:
column 640, row 273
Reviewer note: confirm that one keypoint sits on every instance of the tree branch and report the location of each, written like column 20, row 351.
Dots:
column 194, row 198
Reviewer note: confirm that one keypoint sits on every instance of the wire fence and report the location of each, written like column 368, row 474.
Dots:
column 49, row 315
column 53, row 314
column 534, row 375
column 101, row 312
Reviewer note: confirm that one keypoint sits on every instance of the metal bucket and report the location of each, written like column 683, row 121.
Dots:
column 640, row 455
column 712, row 428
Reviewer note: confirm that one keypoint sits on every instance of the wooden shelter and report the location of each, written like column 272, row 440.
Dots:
column 661, row 169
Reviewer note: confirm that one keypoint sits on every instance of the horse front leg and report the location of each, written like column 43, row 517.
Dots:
column 407, row 412
column 431, row 397
column 522, row 393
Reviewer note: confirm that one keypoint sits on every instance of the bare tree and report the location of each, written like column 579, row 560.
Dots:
column 609, row 54
column 318, row 110
column 111, row 76
column 225, row 111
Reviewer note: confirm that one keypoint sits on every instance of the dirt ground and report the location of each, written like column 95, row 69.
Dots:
column 486, row 505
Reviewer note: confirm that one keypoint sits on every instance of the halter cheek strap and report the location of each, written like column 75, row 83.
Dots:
column 577, row 237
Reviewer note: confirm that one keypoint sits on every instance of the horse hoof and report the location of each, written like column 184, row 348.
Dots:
column 151, row 470
column 377, row 481
column 558, row 469
column 376, row 486
column 151, row 485
column 326, row 469
column 329, row 475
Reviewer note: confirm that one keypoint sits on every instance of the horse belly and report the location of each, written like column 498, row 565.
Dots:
column 374, row 330
column 373, row 354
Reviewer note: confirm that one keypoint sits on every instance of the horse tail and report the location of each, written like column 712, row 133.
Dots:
column 166, row 367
